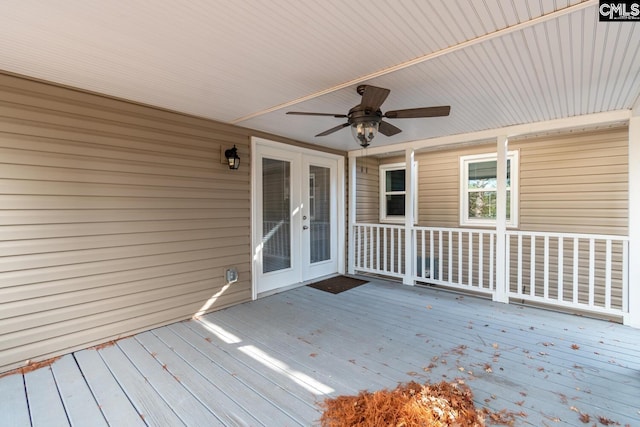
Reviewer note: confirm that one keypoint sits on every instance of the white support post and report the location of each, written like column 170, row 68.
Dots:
column 409, row 255
column 351, row 259
column 501, row 294
column 633, row 317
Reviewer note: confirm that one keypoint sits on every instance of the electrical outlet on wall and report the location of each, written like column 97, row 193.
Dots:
column 231, row 275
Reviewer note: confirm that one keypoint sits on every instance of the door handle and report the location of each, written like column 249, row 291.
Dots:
column 305, row 227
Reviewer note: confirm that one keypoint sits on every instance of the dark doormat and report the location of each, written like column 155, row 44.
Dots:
column 337, row 284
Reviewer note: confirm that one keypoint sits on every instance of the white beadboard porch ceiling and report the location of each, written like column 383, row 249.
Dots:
column 496, row 62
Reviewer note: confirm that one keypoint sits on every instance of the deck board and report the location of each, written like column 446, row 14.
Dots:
column 274, row 360
column 79, row 403
column 45, row 406
column 189, row 409
column 250, row 388
column 145, row 398
column 13, row 404
column 111, row 399
column 195, row 373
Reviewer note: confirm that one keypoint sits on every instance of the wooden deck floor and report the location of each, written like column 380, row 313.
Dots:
column 269, row 363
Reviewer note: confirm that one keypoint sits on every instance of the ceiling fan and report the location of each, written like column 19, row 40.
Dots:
column 365, row 119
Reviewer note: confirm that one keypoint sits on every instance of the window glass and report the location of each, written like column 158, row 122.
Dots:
column 480, row 189
column 395, row 180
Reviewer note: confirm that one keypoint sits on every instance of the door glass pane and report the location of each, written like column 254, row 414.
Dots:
column 276, row 208
column 320, row 213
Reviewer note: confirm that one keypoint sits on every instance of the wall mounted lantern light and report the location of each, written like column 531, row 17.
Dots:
column 233, row 160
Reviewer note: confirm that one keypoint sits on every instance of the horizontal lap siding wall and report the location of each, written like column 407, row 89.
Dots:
column 115, row 218
column 572, row 182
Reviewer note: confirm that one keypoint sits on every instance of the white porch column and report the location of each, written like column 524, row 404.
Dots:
column 633, row 318
column 501, row 294
column 409, row 256
column 351, row 255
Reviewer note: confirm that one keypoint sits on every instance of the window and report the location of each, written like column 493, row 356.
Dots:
column 393, row 192
column 479, row 189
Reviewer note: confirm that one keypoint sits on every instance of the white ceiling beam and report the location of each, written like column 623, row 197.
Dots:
column 428, row 57
column 587, row 120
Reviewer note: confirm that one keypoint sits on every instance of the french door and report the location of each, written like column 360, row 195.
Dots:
column 295, row 218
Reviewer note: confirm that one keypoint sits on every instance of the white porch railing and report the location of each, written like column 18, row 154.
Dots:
column 579, row 271
column 583, row 271
column 379, row 249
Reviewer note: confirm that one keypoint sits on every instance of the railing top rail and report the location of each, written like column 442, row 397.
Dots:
column 371, row 224
column 568, row 235
column 508, row 232
column 457, row 229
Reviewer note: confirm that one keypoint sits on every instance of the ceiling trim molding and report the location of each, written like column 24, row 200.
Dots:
column 587, row 120
column 427, row 57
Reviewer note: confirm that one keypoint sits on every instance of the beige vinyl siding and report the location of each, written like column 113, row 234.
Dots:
column 576, row 182
column 115, row 217
column 367, row 190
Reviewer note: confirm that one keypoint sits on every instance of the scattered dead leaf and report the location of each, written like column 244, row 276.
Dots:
column 585, row 418
column 607, row 422
column 30, row 367
column 575, row 347
column 408, row 405
column 313, row 354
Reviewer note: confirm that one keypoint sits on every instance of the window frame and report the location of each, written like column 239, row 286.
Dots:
column 514, row 158
column 396, row 219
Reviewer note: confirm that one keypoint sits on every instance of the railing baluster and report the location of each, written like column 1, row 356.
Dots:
column 560, row 269
column 441, row 261
column 400, row 246
column 520, row 264
column 625, row 276
column 431, row 256
column 423, row 273
column 480, row 261
column 532, row 268
column 546, row 267
column 576, row 260
column 384, row 259
column 450, row 261
column 592, row 272
column 378, row 248
column 372, row 247
column 607, row 276
column 392, row 258
column 470, row 259
column 358, row 248
column 491, row 261
column 459, row 257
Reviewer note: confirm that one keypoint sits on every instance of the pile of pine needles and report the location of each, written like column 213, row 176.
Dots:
column 408, row 405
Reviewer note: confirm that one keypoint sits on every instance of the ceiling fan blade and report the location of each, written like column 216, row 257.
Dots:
column 303, row 113
column 413, row 113
column 334, row 129
column 373, row 97
column 387, row 129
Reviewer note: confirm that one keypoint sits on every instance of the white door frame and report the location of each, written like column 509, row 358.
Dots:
column 256, row 239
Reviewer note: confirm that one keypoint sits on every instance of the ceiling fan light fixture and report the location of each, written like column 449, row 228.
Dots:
column 364, row 132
